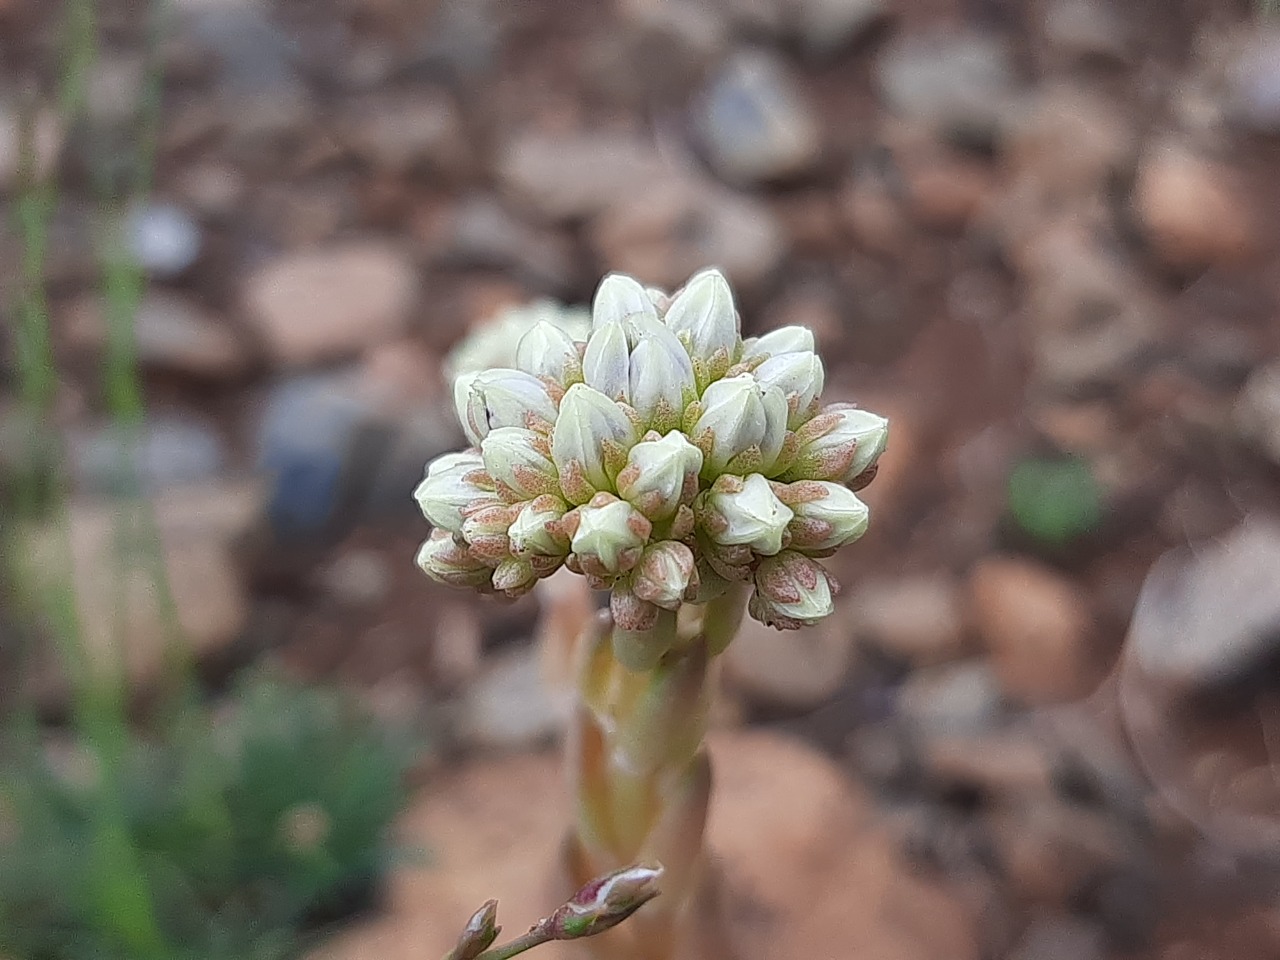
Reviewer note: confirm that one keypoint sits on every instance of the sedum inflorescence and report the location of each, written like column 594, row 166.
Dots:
column 664, row 459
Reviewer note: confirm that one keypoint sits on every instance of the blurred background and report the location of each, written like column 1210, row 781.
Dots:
column 241, row 240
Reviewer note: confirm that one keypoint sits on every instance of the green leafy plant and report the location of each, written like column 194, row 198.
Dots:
column 1055, row 501
column 245, row 835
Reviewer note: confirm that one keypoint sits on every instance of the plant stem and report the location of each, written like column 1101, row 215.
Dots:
column 520, row 944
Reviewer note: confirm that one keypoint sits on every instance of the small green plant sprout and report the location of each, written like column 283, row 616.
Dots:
column 693, row 475
column 600, row 905
column 1055, row 502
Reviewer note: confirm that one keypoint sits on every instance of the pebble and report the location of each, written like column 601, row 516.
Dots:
column 755, row 123
column 656, row 233
column 1209, row 619
column 1061, row 937
column 919, row 619
column 789, row 669
column 358, row 578
column 481, row 232
column 829, row 27
column 406, row 133
column 322, row 304
column 1258, row 411
column 955, row 698
column 1190, row 209
column 166, row 450
column 509, row 705
column 567, row 177
column 960, row 84
column 1253, row 81
column 1037, row 627
column 1070, row 142
column 1086, row 31
column 172, row 333
column 164, row 239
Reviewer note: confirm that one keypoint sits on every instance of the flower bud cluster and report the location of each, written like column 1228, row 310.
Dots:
column 663, row 458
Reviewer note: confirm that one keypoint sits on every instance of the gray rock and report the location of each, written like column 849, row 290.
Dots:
column 755, row 122
column 166, row 450
column 826, row 27
column 399, row 134
column 1253, row 82
column 956, row 698
column 1258, row 411
column 510, row 706
column 1086, row 30
column 920, row 619
column 164, row 239
column 795, row 670
column 1209, row 620
column 960, row 84
column 173, row 333
column 483, row 233
column 1061, row 938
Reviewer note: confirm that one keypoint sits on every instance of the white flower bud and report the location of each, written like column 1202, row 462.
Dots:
column 590, row 442
column 799, row 376
column 619, row 298
column 453, row 482
column 666, row 575
column 746, row 513
column 660, row 475
column 535, row 530
column 444, row 559
column 608, row 535
column 794, row 339
column 792, row 591
column 703, row 316
column 662, row 379
column 546, row 350
column 514, row 576
column 493, row 343
column 605, row 364
column 519, row 461
column 742, row 427
column 828, row 515
column 838, row 444
column 502, row 398
column 485, row 530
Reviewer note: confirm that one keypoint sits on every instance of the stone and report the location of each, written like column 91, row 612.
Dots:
column 829, row 27
column 827, row 871
column 165, row 450
column 1061, row 937
column 122, row 608
column 1190, row 209
column 357, row 578
column 954, row 698
column 919, row 619
column 1070, row 142
column 400, row 134
column 1253, row 81
column 789, row 669
column 1088, row 31
column 755, row 123
column 322, row 304
column 874, row 211
column 1038, row 628
column 509, row 706
column 481, row 232
column 164, row 239
column 656, row 233
column 1001, row 765
column 1257, row 411
column 944, row 189
column 212, row 189
column 568, row 177
column 961, row 85
column 1208, row 620
column 666, row 46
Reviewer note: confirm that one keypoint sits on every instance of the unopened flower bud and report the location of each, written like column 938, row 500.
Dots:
column 478, row 935
column 620, row 298
column 666, row 575
column 502, row 398
column 792, row 591
column 443, row 558
column 548, row 351
column 660, row 475
column 742, row 427
column 746, row 513
column 605, row 902
column 514, row 576
column 590, row 442
column 485, row 530
column 794, row 339
column 605, row 363
column 827, row 515
column 453, row 482
column 519, row 461
column 799, row 376
column 703, row 317
column 629, row 611
column 662, row 379
column 536, row 529
column 838, row 444
column 608, row 535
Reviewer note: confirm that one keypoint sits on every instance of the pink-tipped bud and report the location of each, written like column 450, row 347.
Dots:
column 478, row 935
column 605, row 902
column 443, row 558
column 666, row 576
column 792, row 591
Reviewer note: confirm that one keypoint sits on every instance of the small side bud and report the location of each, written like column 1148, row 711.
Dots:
column 620, row 298
column 800, row 377
column 590, row 442
column 667, row 575
column 791, row 339
column 746, row 513
column 792, row 591
column 454, row 481
column 548, row 351
column 519, row 461
column 703, row 317
column 608, row 536
column 605, row 902
column 660, row 475
column 741, row 427
column 827, row 515
column 443, row 558
column 535, row 532
column 502, row 398
column 478, row 935
column 838, row 444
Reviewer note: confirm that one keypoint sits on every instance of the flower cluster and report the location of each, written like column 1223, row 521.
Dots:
column 662, row 459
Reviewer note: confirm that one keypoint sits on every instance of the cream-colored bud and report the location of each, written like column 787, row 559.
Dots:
column 453, row 482
column 519, row 461
column 549, row 351
column 502, row 398
column 799, row 376
column 590, row 442
column 827, row 515
column 666, row 575
column 660, row 475
column 792, row 591
column 704, row 318
column 793, row 339
column 662, row 379
column 605, row 363
column 608, row 536
column 746, row 513
column 620, row 298
column 536, row 532
column 742, row 427
column 838, row 444
column 485, row 530
column 514, row 576
column 444, row 559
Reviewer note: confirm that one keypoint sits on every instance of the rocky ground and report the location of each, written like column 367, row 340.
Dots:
column 1040, row 236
